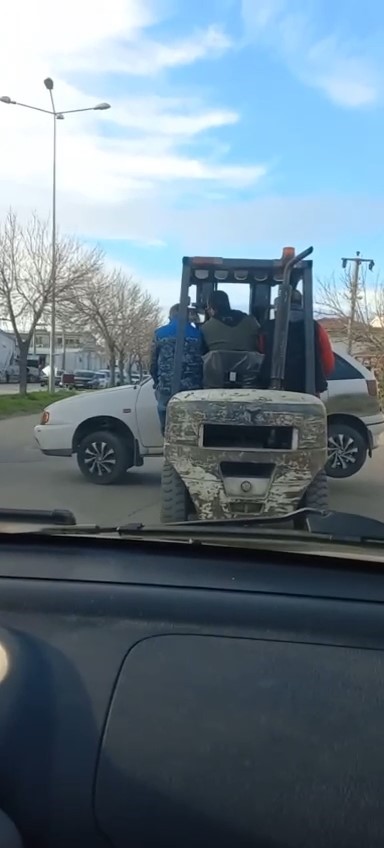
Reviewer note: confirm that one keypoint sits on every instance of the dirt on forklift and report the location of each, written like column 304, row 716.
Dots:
column 232, row 449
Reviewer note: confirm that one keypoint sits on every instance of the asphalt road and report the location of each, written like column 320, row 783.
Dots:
column 14, row 388
column 30, row 480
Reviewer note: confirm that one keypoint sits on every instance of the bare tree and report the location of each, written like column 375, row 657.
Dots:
column 26, row 276
column 120, row 315
column 367, row 327
column 139, row 316
column 96, row 309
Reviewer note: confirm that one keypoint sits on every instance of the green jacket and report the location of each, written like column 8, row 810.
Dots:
column 236, row 331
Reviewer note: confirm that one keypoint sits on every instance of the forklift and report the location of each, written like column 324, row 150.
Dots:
column 233, row 450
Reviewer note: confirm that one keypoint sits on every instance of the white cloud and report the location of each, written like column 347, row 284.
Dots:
column 258, row 227
column 145, row 144
column 262, row 225
column 170, row 116
column 341, row 67
column 148, row 57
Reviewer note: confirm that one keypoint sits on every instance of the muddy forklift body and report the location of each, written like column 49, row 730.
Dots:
column 232, row 449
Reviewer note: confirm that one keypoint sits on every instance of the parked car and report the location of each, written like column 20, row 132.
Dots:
column 110, row 430
column 355, row 420
column 113, row 430
column 83, row 379
column 102, row 379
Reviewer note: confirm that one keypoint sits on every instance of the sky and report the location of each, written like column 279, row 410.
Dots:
column 236, row 127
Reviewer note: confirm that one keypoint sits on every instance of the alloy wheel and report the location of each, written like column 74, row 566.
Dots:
column 342, row 451
column 99, row 458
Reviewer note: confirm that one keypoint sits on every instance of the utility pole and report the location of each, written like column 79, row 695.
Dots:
column 356, row 261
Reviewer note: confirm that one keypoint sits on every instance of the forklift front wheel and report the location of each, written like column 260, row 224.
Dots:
column 316, row 497
column 175, row 502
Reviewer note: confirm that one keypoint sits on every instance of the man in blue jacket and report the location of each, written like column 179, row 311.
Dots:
column 162, row 361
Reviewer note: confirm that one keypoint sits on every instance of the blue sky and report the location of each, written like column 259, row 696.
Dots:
column 236, row 127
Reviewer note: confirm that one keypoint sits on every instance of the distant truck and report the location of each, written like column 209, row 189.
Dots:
column 8, row 354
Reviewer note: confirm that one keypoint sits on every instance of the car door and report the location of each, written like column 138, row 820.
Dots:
column 347, row 389
column 148, row 424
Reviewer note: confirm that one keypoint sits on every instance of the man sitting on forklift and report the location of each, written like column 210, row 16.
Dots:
column 294, row 379
column 226, row 328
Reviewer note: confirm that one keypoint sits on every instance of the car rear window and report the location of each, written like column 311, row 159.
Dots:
column 344, row 370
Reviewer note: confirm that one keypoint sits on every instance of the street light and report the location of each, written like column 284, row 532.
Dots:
column 57, row 116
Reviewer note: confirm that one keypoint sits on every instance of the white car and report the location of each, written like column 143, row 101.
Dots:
column 110, row 431
column 113, row 430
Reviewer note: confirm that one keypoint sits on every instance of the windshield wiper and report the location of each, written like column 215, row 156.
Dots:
column 331, row 526
column 56, row 517
column 336, row 526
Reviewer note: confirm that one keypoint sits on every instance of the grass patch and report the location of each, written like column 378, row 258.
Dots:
column 29, row 403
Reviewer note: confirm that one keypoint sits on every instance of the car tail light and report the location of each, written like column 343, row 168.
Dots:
column 45, row 417
column 372, row 387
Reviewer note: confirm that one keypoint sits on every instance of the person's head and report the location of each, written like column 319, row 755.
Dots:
column 296, row 300
column 174, row 311
column 218, row 304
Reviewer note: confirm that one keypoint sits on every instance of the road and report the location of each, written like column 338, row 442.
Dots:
column 14, row 388
column 29, row 479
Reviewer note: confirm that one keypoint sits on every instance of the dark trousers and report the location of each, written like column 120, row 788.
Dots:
column 162, row 399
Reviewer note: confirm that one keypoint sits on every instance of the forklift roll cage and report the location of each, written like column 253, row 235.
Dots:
column 262, row 275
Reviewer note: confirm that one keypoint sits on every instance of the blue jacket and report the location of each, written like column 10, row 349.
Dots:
column 163, row 354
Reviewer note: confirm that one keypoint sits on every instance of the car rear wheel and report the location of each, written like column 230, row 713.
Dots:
column 104, row 457
column 347, row 450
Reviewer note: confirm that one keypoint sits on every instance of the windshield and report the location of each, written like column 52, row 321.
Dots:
column 238, row 381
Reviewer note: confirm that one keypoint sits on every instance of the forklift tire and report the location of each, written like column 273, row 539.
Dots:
column 174, row 496
column 316, row 496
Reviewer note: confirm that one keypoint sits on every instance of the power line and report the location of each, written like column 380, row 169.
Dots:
column 356, row 261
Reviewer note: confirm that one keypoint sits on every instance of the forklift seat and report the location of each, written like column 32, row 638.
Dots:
column 231, row 369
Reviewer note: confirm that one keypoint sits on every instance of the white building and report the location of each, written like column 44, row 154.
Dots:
column 73, row 351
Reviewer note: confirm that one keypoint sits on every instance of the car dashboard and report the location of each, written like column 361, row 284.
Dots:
column 157, row 694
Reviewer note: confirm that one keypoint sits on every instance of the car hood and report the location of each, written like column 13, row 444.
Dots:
column 91, row 400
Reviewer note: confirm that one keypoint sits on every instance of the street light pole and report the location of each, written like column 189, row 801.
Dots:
column 56, row 116
column 54, row 268
column 52, row 336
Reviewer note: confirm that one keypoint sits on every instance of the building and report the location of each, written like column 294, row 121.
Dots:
column 367, row 342
column 73, row 350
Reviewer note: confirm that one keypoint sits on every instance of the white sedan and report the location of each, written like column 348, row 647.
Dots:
column 110, row 431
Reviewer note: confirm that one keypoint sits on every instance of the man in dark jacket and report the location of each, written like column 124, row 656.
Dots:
column 162, row 361
column 226, row 328
column 294, row 378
